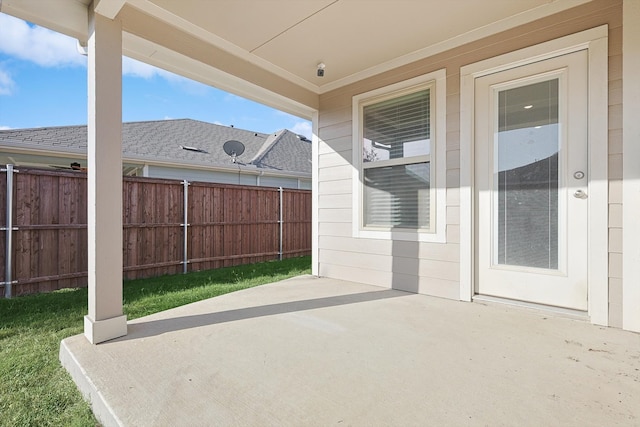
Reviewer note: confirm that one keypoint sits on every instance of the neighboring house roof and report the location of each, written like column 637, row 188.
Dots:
column 173, row 141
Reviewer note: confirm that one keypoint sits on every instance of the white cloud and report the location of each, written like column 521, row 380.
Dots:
column 5, row 127
column 50, row 49
column 7, row 84
column 134, row 68
column 302, row 128
column 36, row 44
column 299, row 127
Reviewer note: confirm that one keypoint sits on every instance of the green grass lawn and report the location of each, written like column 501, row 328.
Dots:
column 34, row 388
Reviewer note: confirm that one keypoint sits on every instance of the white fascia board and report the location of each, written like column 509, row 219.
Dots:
column 69, row 17
column 37, row 150
column 151, row 53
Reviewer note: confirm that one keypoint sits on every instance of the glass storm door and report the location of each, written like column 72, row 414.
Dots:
column 531, row 182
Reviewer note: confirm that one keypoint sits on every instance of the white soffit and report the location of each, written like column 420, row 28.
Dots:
column 64, row 16
column 354, row 38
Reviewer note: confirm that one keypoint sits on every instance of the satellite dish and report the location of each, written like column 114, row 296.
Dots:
column 233, row 148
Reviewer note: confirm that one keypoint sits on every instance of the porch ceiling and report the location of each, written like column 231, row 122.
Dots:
column 259, row 49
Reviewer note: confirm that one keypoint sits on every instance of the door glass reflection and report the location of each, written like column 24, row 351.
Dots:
column 526, row 149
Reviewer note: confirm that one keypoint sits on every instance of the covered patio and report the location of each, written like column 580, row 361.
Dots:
column 317, row 351
column 311, row 59
column 324, row 350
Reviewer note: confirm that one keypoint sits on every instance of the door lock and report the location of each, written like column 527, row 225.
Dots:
column 579, row 194
column 578, row 175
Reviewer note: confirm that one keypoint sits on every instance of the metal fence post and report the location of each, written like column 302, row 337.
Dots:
column 8, row 281
column 281, row 224
column 185, row 225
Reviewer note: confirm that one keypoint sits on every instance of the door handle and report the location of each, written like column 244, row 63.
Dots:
column 579, row 194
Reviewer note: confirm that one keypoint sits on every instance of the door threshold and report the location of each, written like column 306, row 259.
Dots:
column 561, row 311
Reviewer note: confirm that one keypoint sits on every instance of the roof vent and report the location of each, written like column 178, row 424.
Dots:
column 195, row 149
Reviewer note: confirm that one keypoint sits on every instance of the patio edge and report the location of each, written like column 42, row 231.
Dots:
column 90, row 393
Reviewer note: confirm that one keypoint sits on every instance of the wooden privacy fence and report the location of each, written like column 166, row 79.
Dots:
column 169, row 227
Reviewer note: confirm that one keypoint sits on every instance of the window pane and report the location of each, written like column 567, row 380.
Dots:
column 397, row 128
column 397, row 196
column 527, row 146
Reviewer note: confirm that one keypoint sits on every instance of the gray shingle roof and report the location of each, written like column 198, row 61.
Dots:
column 161, row 141
column 286, row 150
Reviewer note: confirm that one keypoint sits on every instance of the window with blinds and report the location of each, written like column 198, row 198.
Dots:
column 396, row 161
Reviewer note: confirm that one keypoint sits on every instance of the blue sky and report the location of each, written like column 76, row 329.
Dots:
column 43, row 82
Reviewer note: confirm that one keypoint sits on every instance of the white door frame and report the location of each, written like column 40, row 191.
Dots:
column 595, row 40
column 630, row 165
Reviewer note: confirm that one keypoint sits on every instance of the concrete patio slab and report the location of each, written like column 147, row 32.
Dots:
column 319, row 352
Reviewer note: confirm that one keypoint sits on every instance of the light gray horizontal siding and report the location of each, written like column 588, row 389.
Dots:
column 339, row 229
column 335, row 159
column 334, row 187
column 365, row 261
column 349, row 244
column 340, row 145
column 428, row 267
column 334, row 215
column 336, row 201
column 305, row 184
column 335, row 173
column 225, row 177
column 274, row 181
column 355, row 274
column 199, row 175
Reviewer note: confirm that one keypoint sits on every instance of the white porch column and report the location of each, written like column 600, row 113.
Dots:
column 631, row 165
column 105, row 320
column 315, row 196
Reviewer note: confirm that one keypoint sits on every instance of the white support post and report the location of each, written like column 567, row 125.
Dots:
column 105, row 320
column 315, row 196
column 631, row 165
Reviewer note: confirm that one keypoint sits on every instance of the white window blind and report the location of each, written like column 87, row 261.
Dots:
column 396, row 122
column 396, row 161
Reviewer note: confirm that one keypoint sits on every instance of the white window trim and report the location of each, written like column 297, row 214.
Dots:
column 438, row 157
